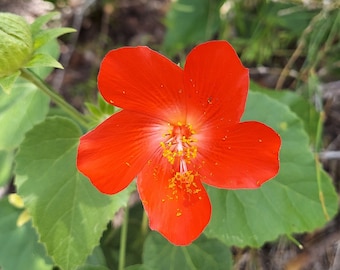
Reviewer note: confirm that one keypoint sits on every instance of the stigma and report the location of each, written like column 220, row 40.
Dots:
column 179, row 145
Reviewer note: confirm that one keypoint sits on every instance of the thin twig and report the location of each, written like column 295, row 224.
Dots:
column 329, row 155
column 298, row 51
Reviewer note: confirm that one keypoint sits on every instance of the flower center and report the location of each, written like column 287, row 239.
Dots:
column 180, row 148
column 179, row 145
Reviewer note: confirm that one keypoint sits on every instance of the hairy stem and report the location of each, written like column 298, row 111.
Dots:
column 65, row 106
column 123, row 239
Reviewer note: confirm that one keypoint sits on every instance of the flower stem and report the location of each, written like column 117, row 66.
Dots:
column 71, row 111
column 123, row 239
column 144, row 225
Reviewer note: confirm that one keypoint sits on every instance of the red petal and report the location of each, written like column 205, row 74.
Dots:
column 217, row 83
column 114, row 152
column 142, row 80
column 243, row 156
column 179, row 212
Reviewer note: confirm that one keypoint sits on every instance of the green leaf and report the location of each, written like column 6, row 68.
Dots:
column 297, row 104
column 105, row 107
column 40, row 36
column 6, row 161
column 100, row 111
column 19, row 247
column 16, row 45
column 47, row 35
column 53, row 50
column 202, row 254
column 190, row 22
column 67, row 211
column 288, row 204
column 94, row 110
column 24, row 107
column 43, row 60
column 7, row 82
column 41, row 21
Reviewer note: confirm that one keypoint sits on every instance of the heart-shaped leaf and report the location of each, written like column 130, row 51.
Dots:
column 290, row 203
column 67, row 211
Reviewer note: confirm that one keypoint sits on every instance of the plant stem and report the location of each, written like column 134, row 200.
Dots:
column 318, row 142
column 296, row 242
column 144, row 225
column 71, row 111
column 123, row 239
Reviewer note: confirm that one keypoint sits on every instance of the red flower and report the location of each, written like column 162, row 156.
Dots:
column 178, row 128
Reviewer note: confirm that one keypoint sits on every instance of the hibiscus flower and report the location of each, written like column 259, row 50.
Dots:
column 178, row 129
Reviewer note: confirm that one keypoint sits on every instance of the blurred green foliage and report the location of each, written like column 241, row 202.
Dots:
column 191, row 22
column 263, row 32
